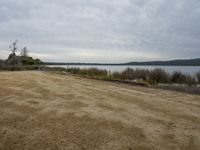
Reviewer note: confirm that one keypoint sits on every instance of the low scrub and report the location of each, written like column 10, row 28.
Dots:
column 116, row 75
column 93, row 72
column 19, row 67
column 191, row 80
column 198, row 76
column 179, row 77
column 159, row 76
column 132, row 74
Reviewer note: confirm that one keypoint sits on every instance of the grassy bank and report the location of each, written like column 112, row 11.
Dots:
column 142, row 76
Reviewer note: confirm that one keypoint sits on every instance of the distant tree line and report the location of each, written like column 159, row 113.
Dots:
column 183, row 62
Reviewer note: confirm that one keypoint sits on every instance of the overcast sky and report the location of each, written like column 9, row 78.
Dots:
column 102, row 30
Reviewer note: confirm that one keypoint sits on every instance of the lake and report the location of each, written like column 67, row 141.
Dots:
column 119, row 68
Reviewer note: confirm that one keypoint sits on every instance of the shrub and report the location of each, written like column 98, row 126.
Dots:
column 116, row 75
column 198, row 76
column 191, row 80
column 1, row 62
column 140, row 74
column 73, row 70
column 93, row 72
column 132, row 74
column 159, row 76
column 178, row 77
column 25, row 60
column 127, row 74
column 19, row 67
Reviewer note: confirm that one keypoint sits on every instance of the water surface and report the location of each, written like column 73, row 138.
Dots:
column 119, row 68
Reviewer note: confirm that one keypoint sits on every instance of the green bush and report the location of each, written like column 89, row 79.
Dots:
column 25, row 60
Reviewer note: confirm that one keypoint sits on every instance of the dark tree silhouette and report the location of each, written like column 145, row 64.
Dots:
column 13, row 47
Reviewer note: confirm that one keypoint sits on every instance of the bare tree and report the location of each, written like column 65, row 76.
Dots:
column 24, row 52
column 13, row 47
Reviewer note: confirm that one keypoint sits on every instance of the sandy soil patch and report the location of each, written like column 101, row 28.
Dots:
column 40, row 110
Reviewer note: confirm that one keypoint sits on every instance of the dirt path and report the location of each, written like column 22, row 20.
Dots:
column 46, row 111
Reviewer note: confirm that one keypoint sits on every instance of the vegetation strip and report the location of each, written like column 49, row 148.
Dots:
column 133, row 76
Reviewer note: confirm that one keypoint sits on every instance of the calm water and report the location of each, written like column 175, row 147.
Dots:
column 170, row 69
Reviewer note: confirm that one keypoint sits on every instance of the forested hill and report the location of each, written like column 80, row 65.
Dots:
column 183, row 62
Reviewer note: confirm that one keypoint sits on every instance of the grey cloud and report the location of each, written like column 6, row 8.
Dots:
column 164, row 28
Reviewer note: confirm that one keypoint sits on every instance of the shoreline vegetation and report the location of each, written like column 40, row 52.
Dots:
column 135, row 76
column 177, row 81
column 143, row 77
column 156, row 78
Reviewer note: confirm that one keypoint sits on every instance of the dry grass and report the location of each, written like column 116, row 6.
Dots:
column 50, row 111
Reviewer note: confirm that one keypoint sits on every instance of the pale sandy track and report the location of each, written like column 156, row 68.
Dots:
column 40, row 110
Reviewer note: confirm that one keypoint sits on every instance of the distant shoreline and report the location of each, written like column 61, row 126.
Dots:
column 183, row 62
column 82, row 64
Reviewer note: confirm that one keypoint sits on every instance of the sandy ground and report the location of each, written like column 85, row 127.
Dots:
column 45, row 111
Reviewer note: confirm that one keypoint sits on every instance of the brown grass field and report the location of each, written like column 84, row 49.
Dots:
column 46, row 111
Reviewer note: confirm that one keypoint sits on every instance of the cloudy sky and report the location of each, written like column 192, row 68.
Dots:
column 102, row 30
